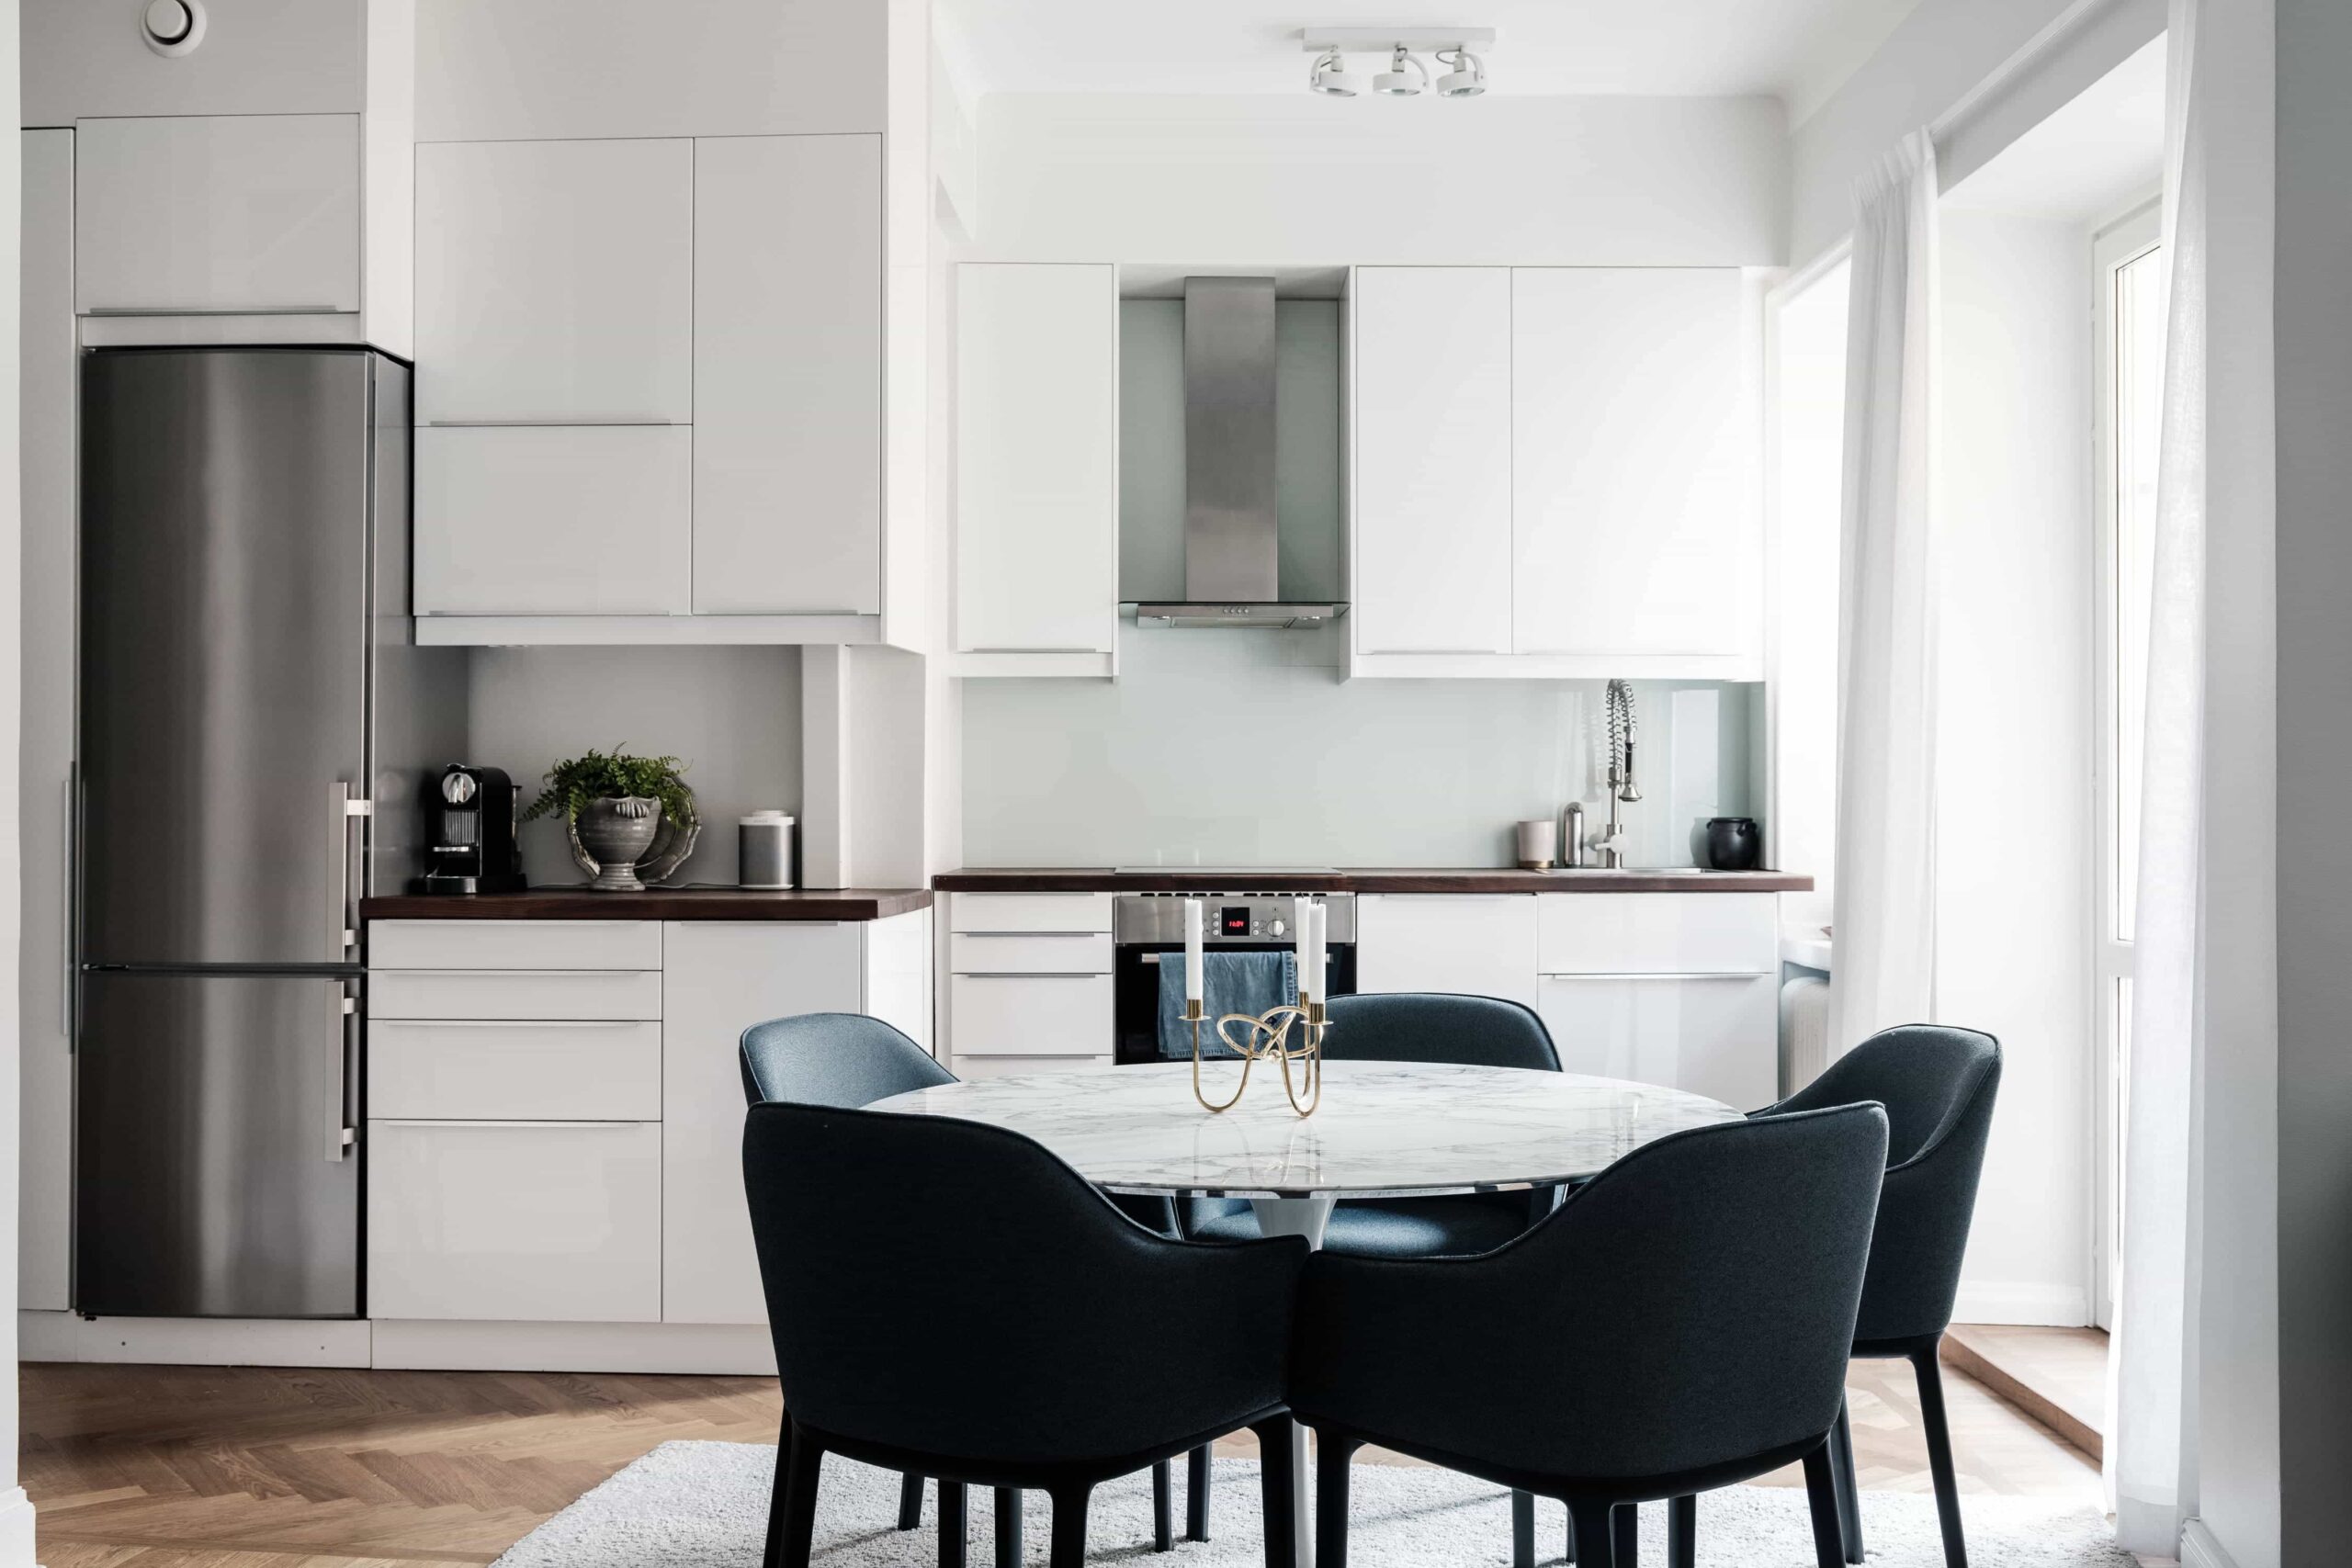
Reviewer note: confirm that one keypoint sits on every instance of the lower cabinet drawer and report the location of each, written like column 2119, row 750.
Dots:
column 518, row 1221
column 1029, row 1015
column 1712, row 1034
column 590, row 1070
column 973, row 1069
column 515, row 993
column 1005, row 952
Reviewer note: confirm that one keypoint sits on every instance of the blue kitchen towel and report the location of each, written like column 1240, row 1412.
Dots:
column 1230, row 982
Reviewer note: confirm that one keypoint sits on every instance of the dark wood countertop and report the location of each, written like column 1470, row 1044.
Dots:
column 654, row 904
column 1083, row 879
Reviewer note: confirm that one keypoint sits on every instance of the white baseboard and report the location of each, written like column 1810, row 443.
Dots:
column 2056, row 1306
column 193, row 1341
column 16, row 1529
column 2200, row 1550
column 709, row 1348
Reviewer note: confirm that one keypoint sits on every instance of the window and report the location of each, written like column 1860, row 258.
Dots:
column 2129, row 278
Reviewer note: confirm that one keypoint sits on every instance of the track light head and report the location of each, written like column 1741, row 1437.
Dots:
column 1468, row 77
column 1331, row 76
column 1396, row 82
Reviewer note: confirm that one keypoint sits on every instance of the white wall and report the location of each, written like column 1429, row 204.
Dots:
column 1297, row 179
column 1238, row 748
column 16, row 1513
column 1982, row 71
column 731, row 714
column 2013, row 830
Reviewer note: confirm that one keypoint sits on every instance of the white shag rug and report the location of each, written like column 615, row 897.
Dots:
column 706, row 1505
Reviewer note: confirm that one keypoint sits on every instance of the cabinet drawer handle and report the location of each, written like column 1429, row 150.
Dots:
column 516, row 1022
column 1663, row 975
column 573, row 1126
column 595, row 422
column 1032, row 974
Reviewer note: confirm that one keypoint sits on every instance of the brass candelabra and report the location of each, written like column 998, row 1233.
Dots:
column 1268, row 1037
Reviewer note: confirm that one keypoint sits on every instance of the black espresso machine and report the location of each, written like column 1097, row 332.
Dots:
column 470, row 815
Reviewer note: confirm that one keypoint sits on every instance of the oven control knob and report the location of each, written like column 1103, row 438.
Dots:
column 1278, row 928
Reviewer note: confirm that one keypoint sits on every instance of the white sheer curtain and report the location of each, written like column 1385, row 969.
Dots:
column 2149, row 1449
column 1884, row 907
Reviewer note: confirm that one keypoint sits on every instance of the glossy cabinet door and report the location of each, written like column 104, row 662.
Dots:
column 553, row 521
column 1432, row 493
column 1711, row 1034
column 1634, row 518
column 721, row 977
column 1607, row 933
column 788, row 376
column 537, row 1222
column 1473, row 944
column 229, row 214
column 555, row 282
column 1037, row 455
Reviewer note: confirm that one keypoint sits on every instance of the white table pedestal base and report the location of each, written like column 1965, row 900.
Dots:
column 1302, row 1217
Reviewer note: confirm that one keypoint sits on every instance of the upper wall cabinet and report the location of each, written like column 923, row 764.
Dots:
column 1554, row 474
column 247, row 214
column 555, row 282
column 1432, row 443
column 1038, row 471
column 788, row 372
column 651, row 372
column 85, row 58
column 1634, row 525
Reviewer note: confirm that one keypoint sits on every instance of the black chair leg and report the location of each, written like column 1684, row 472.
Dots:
column 909, row 1500
column 1196, row 1494
column 1008, row 1526
column 1682, row 1532
column 1163, row 1508
column 1523, row 1529
column 1069, row 1527
column 1589, row 1525
column 955, row 1523
column 1333, row 1458
column 1850, row 1492
column 1625, row 1528
column 1278, row 1488
column 1931, row 1414
column 792, row 1509
column 1821, row 1495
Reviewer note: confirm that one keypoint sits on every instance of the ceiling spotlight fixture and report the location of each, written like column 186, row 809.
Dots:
column 1460, row 48
column 1395, row 81
column 1468, row 77
column 1331, row 76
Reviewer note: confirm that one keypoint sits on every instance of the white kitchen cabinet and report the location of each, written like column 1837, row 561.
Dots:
column 553, row 521
column 256, row 57
column 229, row 214
column 1029, row 1015
column 1431, row 500
column 504, row 1069
column 510, row 1220
column 626, row 994
column 1044, row 913
column 1634, row 518
column 555, row 283
column 1037, row 493
column 787, row 375
column 515, row 944
column 1604, row 933
column 723, row 976
column 1711, row 1034
column 979, row 1069
column 1474, row 944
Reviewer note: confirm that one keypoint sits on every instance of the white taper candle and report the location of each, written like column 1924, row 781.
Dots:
column 1193, row 973
column 1318, row 955
column 1302, row 920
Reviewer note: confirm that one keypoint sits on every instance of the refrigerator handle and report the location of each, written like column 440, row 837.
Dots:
column 72, row 944
column 341, row 1131
column 343, row 933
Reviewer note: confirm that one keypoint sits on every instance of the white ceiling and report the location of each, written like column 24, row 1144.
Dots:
column 2103, row 149
column 1799, row 50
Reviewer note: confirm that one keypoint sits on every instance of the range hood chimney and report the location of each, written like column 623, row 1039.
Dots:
column 1231, row 555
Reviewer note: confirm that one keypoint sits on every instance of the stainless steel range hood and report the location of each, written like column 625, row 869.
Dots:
column 1231, row 558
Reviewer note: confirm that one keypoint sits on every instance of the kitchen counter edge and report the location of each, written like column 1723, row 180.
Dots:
column 654, row 904
column 1174, row 880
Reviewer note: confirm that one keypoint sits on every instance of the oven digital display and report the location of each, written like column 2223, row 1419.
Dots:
column 1233, row 921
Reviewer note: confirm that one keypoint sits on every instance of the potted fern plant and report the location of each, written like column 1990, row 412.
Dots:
column 631, row 819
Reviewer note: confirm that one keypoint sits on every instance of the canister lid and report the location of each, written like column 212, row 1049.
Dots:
column 765, row 819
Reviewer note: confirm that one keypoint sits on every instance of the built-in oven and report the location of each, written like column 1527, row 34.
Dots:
column 1148, row 930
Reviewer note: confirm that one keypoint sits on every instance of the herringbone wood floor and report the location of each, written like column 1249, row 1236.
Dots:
column 206, row 1467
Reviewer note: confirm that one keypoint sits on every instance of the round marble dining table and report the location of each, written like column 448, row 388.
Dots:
column 1382, row 1129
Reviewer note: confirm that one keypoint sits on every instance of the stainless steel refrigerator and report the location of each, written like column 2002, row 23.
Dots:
column 254, row 724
